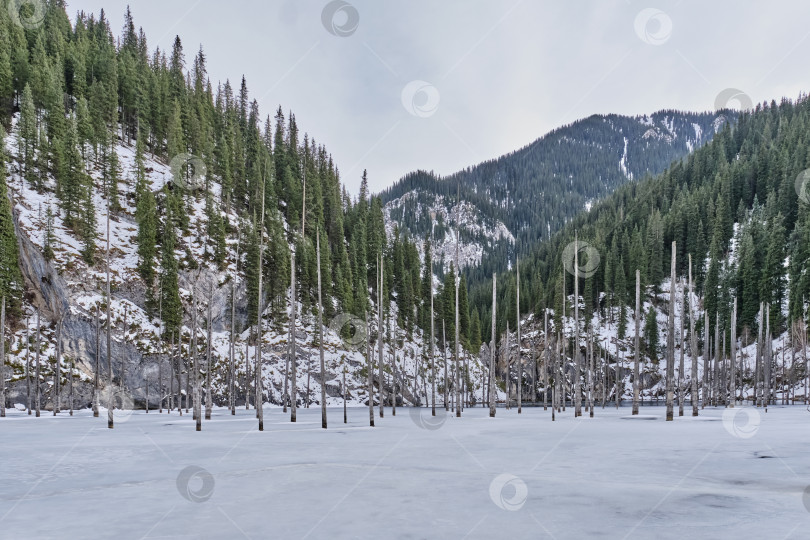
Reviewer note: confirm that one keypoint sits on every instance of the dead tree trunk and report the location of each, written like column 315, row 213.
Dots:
column 3, row 359
column 57, row 373
column 98, row 363
column 432, row 345
column 519, row 357
column 636, row 381
column 693, row 337
column 28, row 367
column 370, row 369
column 208, row 404
column 733, row 366
column 320, row 333
column 683, row 346
column 492, row 389
column 293, row 352
column 380, row 285
column 577, row 388
column 37, row 375
column 671, row 338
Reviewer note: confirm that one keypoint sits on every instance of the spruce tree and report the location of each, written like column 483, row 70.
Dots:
column 11, row 282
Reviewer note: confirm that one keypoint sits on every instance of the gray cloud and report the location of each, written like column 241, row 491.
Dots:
column 506, row 72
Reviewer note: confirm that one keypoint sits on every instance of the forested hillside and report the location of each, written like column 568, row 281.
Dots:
column 208, row 201
column 524, row 197
column 738, row 206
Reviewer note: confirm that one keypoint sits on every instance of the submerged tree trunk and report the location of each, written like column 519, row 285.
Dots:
column 576, row 381
column 208, row 404
column 519, row 357
column 637, row 351
column 683, row 346
column 671, row 338
column 57, row 372
column 38, row 391
column 3, row 359
column 293, row 352
column 320, row 333
column 28, row 368
column 381, row 362
column 693, row 347
column 98, row 363
column 733, row 364
column 370, row 369
column 432, row 347
column 492, row 388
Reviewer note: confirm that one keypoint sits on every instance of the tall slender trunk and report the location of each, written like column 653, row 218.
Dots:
column 693, row 347
column 70, row 384
column 733, row 365
column 706, row 360
column 293, row 352
column 444, row 358
column 683, row 346
column 767, row 357
column 232, row 346
column 637, row 351
column 259, row 328
column 121, row 378
column 208, row 404
column 576, row 381
column 195, row 363
column 381, row 362
column 248, row 375
column 345, row 415
column 591, row 398
column 546, row 353
column 432, row 345
column 37, row 374
column 508, row 369
column 3, row 359
column 715, row 369
column 57, row 373
column 519, row 357
column 370, row 369
column 111, row 403
column 320, row 333
column 28, row 367
column 671, row 338
column 455, row 344
column 758, row 364
column 492, row 388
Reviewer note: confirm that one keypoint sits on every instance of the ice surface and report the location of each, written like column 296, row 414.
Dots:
column 514, row 476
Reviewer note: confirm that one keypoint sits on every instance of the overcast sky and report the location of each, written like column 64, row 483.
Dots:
column 495, row 75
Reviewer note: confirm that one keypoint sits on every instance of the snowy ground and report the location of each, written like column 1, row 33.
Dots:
column 715, row 476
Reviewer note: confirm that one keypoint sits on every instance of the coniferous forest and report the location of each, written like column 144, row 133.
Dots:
column 175, row 259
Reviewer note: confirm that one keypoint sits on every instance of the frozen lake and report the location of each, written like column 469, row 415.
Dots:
column 515, row 476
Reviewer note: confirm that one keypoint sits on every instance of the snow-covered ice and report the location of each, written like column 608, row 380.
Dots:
column 514, row 476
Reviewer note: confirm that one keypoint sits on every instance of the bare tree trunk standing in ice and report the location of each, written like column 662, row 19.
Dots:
column 671, row 338
column 345, row 415
column 492, row 389
column 248, row 375
column 693, row 341
column 370, row 369
column 767, row 357
column 3, row 359
column 758, row 365
column 57, row 373
column 455, row 344
column 432, row 344
column 715, row 369
column 380, row 381
column 232, row 346
column 683, row 346
column 36, row 377
column 320, row 330
column 195, row 363
column 508, row 368
column 706, row 361
column 577, row 389
column 28, row 367
column 123, row 357
column 208, row 404
column 733, row 366
column 546, row 352
column 70, row 384
column 519, row 357
column 636, row 381
column 591, row 398
column 293, row 353
column 260, row 307
column 98, row 363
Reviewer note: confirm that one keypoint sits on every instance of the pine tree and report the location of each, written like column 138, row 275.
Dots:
column 651, row 334
column 11, row 282
column 47, row 250
column 27, row 137
column 171, row 308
